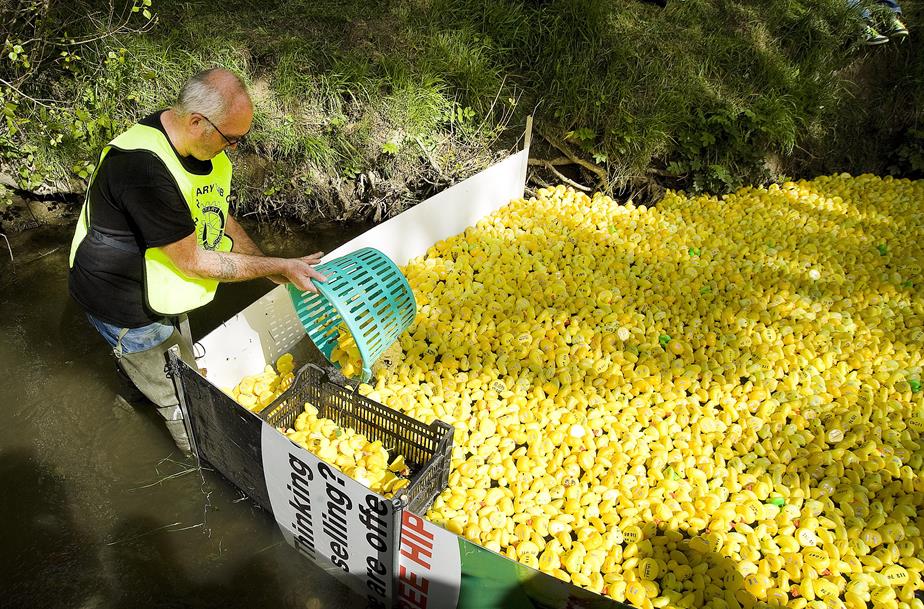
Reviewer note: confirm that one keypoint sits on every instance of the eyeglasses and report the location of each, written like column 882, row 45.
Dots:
column 232, row 141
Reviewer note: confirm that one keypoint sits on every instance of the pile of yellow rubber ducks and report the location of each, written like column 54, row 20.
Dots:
column 256, row 392
column 710, row 402
column 350, row 452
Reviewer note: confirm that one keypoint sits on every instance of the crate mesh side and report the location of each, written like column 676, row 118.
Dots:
column 305, row 388
column 400, row 433
column 434, row 477
column 426, row 448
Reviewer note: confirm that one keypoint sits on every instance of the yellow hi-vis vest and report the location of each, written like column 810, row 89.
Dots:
column 168, row 290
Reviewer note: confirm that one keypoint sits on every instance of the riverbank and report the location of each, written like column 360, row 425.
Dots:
column 365, row 108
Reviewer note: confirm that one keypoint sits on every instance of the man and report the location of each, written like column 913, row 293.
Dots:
column 895, row 27
column 155, row 236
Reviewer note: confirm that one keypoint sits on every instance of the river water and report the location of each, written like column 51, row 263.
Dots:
column 97, row 507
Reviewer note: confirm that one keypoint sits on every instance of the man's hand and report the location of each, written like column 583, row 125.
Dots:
column 301, row 271
column 243, row 244
column 195, row 261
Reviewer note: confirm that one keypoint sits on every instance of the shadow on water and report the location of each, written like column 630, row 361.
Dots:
column 46, row 552
column 50, row 559
column 152, row 574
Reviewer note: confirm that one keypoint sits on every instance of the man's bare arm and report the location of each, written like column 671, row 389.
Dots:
column 243, row 244
column 231, row 266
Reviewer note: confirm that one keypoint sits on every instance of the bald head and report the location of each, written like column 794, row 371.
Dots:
column 214, row 93
column 212, row 113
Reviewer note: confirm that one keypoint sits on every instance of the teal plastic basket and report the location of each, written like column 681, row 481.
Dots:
column 367, row 292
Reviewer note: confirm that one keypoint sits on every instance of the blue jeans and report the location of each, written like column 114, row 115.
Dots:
column 893, row 6
column 133, row 340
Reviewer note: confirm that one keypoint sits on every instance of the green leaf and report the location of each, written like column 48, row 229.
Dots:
column 584, row 134
column 675, row 168
column 915, row 386
column 721, row 173
column 146, row 13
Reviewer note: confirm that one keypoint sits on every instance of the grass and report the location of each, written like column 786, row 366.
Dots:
column 697, row 83
column 365, row 107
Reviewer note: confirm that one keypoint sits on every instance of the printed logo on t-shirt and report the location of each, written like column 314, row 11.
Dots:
column 212, row 225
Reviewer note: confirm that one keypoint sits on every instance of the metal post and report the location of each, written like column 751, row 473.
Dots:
column 174, row 363
column 528, row 136
column 182, row 324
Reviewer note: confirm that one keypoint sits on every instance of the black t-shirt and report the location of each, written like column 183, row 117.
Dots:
column 133, row 197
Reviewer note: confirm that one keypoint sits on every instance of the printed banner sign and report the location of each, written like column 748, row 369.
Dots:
column 331, row 519
column 429, row 566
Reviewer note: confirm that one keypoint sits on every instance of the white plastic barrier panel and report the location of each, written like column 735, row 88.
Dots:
column 259, row 334
column 411, row 233
column 256, row 336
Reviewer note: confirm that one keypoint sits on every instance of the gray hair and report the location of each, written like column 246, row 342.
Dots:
column 208, row 93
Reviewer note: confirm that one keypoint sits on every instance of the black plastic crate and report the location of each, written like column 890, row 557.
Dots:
column 427, row 449
column 309, row 377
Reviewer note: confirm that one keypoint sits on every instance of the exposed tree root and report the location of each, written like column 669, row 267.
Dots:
column 561, row 146
column 551, row 167
column 51, row 197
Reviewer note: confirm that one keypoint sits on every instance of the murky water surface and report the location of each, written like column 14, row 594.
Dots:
column 97, row 508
